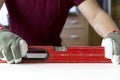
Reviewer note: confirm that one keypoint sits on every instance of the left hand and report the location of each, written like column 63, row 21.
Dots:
column 112, row 47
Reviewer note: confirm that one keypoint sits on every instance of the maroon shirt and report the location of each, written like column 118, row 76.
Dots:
column 39, row 22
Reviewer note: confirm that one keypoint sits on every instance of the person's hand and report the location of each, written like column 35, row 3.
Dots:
column 112, row 46
column 12, row 47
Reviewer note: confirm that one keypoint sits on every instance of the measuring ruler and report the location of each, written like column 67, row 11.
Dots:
column 62, row 54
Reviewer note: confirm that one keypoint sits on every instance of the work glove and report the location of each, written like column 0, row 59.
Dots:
column 112, row 46
column 12, row 47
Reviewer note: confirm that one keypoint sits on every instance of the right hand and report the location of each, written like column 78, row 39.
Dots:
column 112, row 46
column 12, row 47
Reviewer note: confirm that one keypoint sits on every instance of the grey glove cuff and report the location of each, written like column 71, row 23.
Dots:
column 115, row 36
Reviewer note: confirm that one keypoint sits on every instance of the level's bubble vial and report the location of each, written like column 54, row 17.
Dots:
column 60, row 48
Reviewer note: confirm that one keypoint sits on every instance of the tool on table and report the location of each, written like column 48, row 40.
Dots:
column 62, row 54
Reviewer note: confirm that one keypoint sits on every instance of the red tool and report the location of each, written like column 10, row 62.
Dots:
column 62, row 54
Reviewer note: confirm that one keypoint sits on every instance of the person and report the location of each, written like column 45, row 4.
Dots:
column 39, row 22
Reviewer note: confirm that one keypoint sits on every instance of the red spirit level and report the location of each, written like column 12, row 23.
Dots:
column 62, row 54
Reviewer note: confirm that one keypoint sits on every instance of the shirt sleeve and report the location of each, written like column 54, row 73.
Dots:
column 77, row 2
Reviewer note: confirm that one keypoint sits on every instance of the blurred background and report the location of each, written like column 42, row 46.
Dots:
column 77, row 31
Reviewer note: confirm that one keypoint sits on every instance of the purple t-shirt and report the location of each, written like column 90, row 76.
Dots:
column 39, row 22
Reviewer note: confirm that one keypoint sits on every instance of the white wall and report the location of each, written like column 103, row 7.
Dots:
column 4, row 16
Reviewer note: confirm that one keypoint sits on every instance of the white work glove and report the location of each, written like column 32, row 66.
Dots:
column 112, row 47
column 12, row 47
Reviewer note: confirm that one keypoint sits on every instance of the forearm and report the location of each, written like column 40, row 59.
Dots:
column 100, row 21
column 103, row 23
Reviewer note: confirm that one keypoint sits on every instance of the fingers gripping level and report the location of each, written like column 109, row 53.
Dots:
column 112, row 47
column 12, row 47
